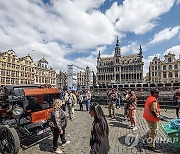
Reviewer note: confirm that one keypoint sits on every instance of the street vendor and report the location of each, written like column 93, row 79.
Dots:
column 152, row 116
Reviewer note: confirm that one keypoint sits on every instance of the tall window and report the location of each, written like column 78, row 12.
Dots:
column 164, row 67
column 176, row 74
column 152, row 73
column 176, row 67
column 170, row 75
column 170, row 67
column 164, row 75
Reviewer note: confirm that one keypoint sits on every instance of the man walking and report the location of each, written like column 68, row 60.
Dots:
column 69, row 99
column 88, row 99
column 112, row 103
column 152, row 116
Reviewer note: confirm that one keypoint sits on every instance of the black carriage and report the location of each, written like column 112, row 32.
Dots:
column 24, row 113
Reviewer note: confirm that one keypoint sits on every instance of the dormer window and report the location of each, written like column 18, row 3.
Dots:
column 169, row 60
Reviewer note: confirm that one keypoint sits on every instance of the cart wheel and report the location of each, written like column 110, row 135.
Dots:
column 9, row 140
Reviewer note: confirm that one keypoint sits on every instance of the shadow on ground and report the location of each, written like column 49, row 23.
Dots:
column 46, row 145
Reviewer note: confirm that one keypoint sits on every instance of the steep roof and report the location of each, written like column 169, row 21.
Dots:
column 43, row 60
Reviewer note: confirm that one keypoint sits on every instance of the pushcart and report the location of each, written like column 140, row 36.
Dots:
column 172, row 129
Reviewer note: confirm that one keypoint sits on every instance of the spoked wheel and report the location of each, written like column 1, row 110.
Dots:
column 9, row 140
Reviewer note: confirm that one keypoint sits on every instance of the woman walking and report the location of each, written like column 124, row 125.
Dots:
column 132, row 103
column 58, row 123
column 99, row 141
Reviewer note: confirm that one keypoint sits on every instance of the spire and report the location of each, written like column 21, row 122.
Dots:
column 117, row 49
column 140, row 50
column 99, row 55
column 117, row 43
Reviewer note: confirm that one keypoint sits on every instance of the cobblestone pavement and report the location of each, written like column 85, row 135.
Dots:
column 78, row 132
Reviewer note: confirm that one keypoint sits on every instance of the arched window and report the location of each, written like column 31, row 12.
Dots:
column 170, row 75
column 176, row 67
column 170, row 67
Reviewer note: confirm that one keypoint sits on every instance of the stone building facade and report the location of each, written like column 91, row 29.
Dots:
column 62, row 80
column 20, row 71
column 45, row 74
column 16, row 71
column 85, row 78
column 120, row 69
column 165, row 71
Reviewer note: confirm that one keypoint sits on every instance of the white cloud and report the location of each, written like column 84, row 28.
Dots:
column 90, row 61
column 130, row 49
column 177, row 1
column 174, row 49
column 165, row 34
column 102, row 49
column 138, row 16
column 67, row 26
column 76, row 23
column 53, row 30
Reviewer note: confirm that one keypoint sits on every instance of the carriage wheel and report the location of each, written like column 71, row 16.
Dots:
column 9, row 140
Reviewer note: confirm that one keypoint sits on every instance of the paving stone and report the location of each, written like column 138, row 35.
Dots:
column 78, row 132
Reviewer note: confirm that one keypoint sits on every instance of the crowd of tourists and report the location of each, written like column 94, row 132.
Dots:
column 125, row 102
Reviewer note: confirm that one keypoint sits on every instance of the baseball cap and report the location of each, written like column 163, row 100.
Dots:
column 154, row 91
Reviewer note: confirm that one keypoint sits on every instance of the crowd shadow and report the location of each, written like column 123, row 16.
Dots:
column 118, row 124
column 117, row 121
column 46, row 145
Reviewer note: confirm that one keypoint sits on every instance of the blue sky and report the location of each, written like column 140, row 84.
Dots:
column 73, row 31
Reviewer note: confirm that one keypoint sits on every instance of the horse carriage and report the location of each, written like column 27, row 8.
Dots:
column 24, row 113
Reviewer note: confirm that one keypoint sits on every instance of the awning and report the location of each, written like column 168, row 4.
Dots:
column 34, row 92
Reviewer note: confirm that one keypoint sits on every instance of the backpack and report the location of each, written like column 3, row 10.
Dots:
column 69, row 100
column 113, row 97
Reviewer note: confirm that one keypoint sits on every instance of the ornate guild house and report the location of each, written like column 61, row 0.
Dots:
column 165, row 71
column 20, row 71
column 120, row 69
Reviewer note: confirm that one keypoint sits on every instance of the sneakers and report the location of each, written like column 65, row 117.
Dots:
column 67, row 142
column 135, row 128
column 58, row 151
column 131, row 126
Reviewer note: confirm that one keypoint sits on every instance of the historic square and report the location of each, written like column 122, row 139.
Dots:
column 89, row 76
column 78, row 129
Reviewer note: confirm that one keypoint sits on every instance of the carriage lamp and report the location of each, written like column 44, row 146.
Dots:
column 17, row 111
